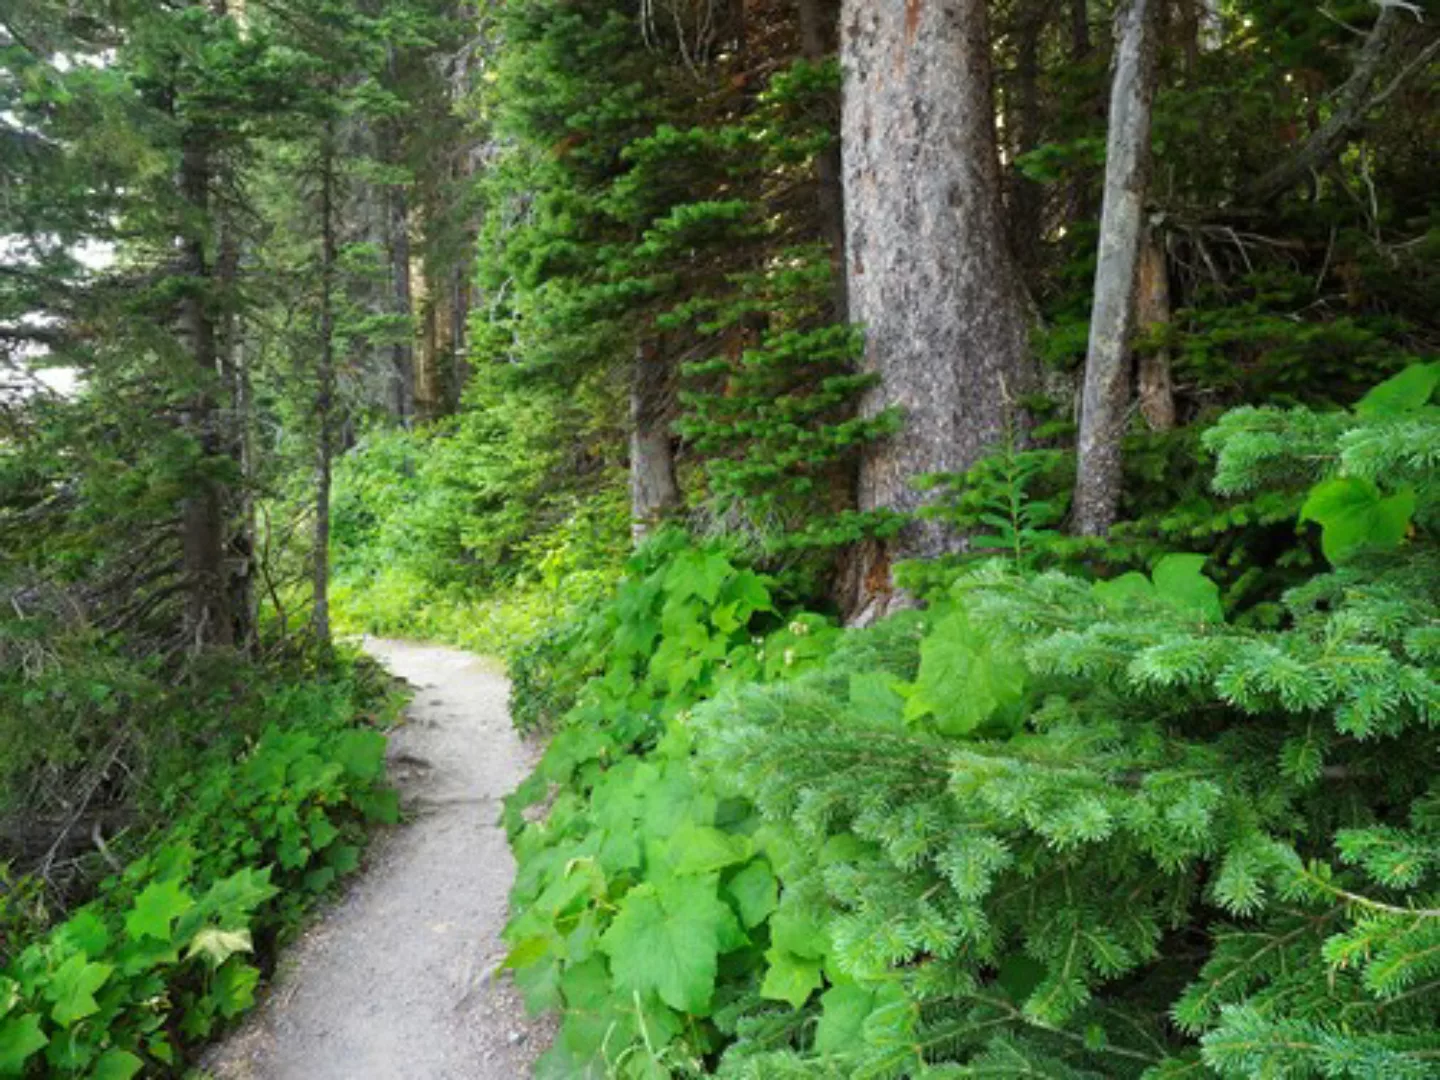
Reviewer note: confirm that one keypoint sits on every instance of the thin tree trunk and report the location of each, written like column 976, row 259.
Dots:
column 235, row 382
column 1079, row 200
column 397, row 205
column 931, row 275
column 207, row 610
column 654, row 491
column 459, row 329
column 1027, row 204
column 818, row 20
column 402, row 352
column 1157, row 387
column 1081, row 46
column 1113, row 321
column 324, row 393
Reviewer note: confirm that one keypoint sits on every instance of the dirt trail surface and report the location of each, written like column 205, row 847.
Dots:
column 397, row 980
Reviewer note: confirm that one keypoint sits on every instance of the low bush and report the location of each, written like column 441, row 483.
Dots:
column 1051, row 826
column 171, row 946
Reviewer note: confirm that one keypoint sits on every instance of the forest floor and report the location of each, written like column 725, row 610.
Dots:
column 400, row 977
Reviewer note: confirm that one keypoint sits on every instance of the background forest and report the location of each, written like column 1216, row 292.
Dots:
column 954, row 481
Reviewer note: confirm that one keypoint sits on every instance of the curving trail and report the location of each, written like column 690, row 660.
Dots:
column 397, row 979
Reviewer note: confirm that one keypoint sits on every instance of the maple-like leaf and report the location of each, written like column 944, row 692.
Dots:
column 667, row 938
column 156, row 909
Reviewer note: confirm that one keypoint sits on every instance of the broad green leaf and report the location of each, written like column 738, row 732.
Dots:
column 704, row 849
column 666, row 940
column 600, row 1023
column 1355, row 516
column 790, row 978
column 1406, row 392
column 798, row 931
column 1117, row 592
column 234, row 898
column 964, row 680
column 116, row 1065
column 234, row 988
column 156, row 909
column 72, row 989
column 843, row 1011
column 20, row 1039
column 756, row 892
column 1180, row 582
column 873, row 696
column 361, row 754
column 87, row 932
column 698, row 573
column 218, row 945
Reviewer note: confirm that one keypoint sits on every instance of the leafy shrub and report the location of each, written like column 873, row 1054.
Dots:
column 1051, row 826
column 167, row 950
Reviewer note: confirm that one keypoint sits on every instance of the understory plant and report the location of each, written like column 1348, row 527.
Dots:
column 1050, row 826
column 171, row 947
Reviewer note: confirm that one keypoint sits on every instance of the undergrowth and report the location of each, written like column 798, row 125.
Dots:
column 234, row 839
column 1092, row 822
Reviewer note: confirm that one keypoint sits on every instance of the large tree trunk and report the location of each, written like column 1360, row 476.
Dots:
column 1105, row 405
column 207, row 618
column 818, row 22
column 930, row 271
column 324, row 394
column 654, row 491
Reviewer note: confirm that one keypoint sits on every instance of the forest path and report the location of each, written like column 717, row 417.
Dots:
column 396, row 981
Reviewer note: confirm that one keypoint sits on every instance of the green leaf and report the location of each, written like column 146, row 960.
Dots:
column 704, row 849
column 873, row 696
column 756, row 892
column 116, row 1065
column 790, row 978
column 1354, row 516
column 666, row 940
column 156, row 909
column 797, row 930
column 1406, row 392
column 1120, row 591
column 87, row 932
column 1180, row 582
column 218, row 945
column 964, row 680
column 234, row 988
column 20, row 1039
column 361, row 754
column 72, row 989
column 843, row 1011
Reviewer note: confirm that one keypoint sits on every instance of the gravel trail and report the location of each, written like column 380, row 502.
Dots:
column 397, row 980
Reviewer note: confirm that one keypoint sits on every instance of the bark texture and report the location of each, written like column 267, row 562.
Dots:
column 402, row 352
column 931, row 275
column 654, row 491
column 1025, row 121
column 1105, row 404
column 1157, row 386
column 207, row 619
column 818, row 25
column 325, row 393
